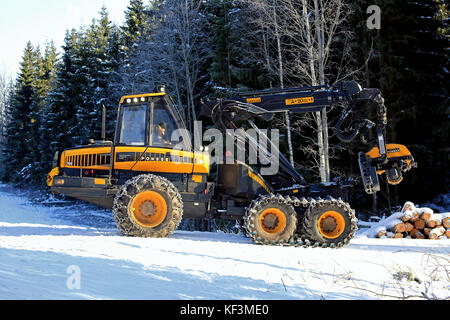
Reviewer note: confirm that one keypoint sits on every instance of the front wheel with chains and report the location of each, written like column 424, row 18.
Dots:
column 148, row 206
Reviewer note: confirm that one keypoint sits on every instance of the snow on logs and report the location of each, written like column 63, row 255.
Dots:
column 414, row 222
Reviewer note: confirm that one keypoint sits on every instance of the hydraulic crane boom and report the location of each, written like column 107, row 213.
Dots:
column 392, row 159
column 300, row 99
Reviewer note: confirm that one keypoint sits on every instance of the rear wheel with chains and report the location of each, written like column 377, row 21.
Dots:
column 331, row 223
column 325, row 223
column 148, row 206
column 270, row 221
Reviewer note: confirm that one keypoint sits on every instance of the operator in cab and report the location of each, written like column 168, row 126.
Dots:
column 160, row 133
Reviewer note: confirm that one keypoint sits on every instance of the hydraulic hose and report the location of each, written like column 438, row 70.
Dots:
column 340, row 134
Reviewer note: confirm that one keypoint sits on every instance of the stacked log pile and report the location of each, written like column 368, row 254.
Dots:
column 414, row 222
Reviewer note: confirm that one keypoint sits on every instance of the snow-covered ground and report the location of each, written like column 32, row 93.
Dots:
column 75, row 252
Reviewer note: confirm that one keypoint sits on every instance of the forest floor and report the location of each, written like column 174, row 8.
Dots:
column 74, row 251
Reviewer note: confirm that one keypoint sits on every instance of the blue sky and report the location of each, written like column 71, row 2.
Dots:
column 40, row 21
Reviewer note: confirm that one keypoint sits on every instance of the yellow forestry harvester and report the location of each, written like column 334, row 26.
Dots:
column 151, row 183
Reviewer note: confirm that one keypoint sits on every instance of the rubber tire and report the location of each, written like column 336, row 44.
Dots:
column 255, row 231
column 311, row 229
column 124, row 197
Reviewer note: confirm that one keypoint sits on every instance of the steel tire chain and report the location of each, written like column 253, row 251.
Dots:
column 298, row 239
column 136, row 185
column 330, row 201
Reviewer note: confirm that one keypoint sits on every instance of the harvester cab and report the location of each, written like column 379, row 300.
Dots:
column 153, row 174
column 148, row 120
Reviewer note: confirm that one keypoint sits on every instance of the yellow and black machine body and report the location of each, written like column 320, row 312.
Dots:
column 152, row 176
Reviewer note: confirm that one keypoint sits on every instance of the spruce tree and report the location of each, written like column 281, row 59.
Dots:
column 59, row 121
column 83, row 83
column 107, row 56
column 136, row 25
column 16, row 151
column 133, row 35
column 97, row 43
column 233, row 49
column 45, row 74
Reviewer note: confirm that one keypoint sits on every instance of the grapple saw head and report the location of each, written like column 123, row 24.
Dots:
column 398, row 159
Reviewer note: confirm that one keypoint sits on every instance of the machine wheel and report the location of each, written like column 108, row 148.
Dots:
column 332, row 224
column 148, row 206
column 270, row 221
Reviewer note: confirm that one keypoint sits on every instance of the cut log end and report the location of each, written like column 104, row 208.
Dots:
column 431, row 224
column 381, row 234
column 409, row 226
column 433, row 236
column 436, row 233
column 426, row 216
column 399, row 228
column 415, row 216
column 416, row 234
column 419, row 235
column 446, row 222
column 419, row 224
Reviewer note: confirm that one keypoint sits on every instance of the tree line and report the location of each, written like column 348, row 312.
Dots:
column 203, row 48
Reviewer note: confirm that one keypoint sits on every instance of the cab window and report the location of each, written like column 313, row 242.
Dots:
column 132, row 126
column 163, row 126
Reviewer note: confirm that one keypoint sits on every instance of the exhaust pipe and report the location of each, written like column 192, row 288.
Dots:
column 103, row 122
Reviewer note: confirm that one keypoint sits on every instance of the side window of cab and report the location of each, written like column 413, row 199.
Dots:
column 163, row 124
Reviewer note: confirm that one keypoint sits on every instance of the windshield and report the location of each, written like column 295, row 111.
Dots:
column 132, row 127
